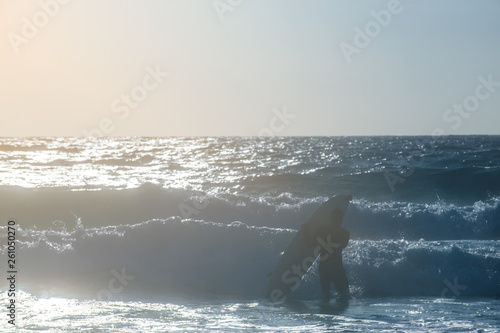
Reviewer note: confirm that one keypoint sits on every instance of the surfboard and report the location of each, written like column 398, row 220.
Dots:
column 299, row 256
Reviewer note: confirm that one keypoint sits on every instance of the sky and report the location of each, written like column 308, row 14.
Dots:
column 249, row 67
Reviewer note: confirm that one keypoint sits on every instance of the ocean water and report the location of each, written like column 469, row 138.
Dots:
column 140, row 234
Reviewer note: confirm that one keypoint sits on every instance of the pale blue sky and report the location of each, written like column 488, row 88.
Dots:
column 232, row 76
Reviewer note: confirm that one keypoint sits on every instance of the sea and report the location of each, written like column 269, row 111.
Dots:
column 178, row 234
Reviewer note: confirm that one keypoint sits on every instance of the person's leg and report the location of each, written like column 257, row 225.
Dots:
column 340, row 280
column 325, row 280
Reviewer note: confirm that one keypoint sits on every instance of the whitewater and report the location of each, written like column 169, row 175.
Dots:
column 139, row 234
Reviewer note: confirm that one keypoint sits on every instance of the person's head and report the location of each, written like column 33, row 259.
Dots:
column 336, row 216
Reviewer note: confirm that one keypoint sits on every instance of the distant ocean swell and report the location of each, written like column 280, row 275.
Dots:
column 187, row 257
column 462, row 169
column 436, row 220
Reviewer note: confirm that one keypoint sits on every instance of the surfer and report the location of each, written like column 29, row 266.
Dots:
column 331, row 268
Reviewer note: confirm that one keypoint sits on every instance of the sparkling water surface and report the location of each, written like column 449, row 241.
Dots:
column 384, row 314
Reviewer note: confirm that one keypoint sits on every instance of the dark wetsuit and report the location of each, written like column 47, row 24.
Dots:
column 331, row 268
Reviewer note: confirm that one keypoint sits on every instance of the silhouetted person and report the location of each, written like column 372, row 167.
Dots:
column 331, row 239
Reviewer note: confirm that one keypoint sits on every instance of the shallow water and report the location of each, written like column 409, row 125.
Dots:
column 382, row 314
